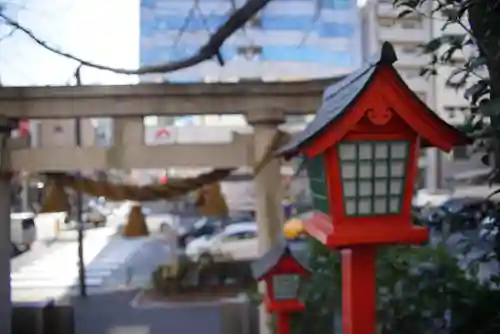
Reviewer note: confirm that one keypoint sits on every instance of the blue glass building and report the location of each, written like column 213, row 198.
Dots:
column 288, row 40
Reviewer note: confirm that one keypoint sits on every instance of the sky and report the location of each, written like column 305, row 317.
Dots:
column 102, row 31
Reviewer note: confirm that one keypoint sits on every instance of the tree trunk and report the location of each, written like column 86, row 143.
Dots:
column 483, row 19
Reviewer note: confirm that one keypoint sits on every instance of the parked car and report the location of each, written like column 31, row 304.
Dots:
column 490, row 226
column 236, row 242
column 122, row 211
column 464, row 212
column 242, row 217
column 202, row 227
column 426, row 198
column 22, row 231
column 94, row 215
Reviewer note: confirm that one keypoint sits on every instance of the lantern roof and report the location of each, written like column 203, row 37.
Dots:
column 339, row 97
column 298, row 250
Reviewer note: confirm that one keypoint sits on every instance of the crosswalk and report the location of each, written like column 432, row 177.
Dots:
column 103, row 255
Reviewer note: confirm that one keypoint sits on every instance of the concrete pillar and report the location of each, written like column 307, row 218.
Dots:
column 5, row 245
column 127, row 131
column 25, row 183
column 268, row 191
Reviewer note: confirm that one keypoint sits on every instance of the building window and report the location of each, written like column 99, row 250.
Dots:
column 450, row 111
column 250, row 52
column 150, row 121
column 210, row 79
column 410, row 49
column 411, row 24
column 411, row 74
column 460, row 153
column 464, row 110
column 387, row 23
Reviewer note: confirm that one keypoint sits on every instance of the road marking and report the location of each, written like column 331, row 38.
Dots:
column 59, row 269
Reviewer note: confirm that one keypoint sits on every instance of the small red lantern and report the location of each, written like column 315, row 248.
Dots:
column 282, row 269
column 361, row 152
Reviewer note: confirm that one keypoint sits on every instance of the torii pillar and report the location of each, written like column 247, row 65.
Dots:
column 127, row 131
column 268, row 190
column 5, row 243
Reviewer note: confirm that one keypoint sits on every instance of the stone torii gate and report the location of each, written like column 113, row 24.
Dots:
column 264, row 105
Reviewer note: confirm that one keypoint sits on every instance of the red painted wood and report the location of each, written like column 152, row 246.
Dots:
column 417, row 115
column 386, row 91
column 283, row 322
column 358, row 290
column 341, row 126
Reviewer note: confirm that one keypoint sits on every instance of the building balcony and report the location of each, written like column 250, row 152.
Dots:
column 397, row 34
column 386, row 9
column 417, row 84
column 451, row 29
column 411, row 60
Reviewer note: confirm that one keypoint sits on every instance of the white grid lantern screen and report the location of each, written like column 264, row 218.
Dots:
column 373, row 176
column 286, row 286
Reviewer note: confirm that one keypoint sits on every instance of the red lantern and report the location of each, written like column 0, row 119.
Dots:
column 282, row 269
column 361, row 152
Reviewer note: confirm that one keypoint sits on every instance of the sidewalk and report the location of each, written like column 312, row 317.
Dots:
column 50, row 272
column 112, row 314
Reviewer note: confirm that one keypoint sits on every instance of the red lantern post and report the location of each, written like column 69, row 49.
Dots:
column 283, row 268
column 361, row 152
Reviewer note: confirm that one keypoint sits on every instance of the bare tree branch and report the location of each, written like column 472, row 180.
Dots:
column 185, row 25
column 9, row 34
column 209, row 50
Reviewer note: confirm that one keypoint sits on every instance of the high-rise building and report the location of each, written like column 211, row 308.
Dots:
column 288, row 40
column 380, row 22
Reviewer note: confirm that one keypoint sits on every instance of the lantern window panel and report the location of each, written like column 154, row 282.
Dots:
column 321, row 203
column 365, row 205
column 350, row 205
column 318, row 183
column 348, row 152
column 286, row 286
column 373, row 176
column 365, row 171
column 349, row 170
column 365, row 151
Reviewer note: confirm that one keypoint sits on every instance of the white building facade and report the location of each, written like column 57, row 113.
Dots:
column 381, row 23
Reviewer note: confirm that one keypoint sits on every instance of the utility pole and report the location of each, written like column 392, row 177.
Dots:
column 79, row 203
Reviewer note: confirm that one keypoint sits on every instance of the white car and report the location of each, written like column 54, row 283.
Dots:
column 236, row 242
column 424, row 198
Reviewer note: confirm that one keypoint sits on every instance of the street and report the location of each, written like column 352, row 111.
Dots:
column 47, row 272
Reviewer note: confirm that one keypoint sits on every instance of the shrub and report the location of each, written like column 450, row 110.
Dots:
column 420, row 290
